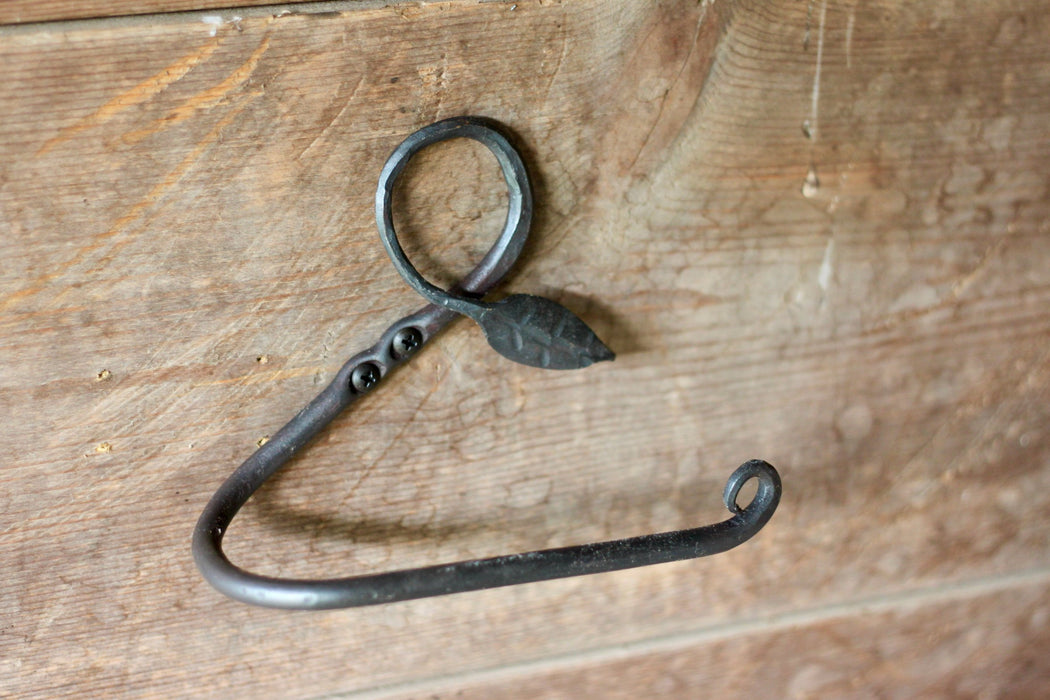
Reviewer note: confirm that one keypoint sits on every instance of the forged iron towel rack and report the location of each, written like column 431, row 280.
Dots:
column 527, row 329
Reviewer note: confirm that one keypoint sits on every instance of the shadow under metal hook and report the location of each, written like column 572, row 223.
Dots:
column 527, row 329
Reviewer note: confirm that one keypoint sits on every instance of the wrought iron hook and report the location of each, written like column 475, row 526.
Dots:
column 527, row 329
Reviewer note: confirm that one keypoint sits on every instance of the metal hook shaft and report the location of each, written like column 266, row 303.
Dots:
column 396, row 345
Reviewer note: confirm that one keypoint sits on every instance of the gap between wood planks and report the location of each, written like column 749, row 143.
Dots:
column 208, row 15
column 765, row 624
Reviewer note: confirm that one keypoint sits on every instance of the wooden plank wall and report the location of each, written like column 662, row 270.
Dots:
column 814, row 232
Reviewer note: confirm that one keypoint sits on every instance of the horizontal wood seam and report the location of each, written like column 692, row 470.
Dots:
column 765, row 624
column 177, row 16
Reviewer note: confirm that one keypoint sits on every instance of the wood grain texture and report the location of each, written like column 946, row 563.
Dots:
column 813, row 234
column 969, row 643
column 25, row 11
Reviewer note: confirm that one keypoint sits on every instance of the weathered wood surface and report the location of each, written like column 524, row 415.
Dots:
column 219, row 11
column 816, row 234
column 970, row 643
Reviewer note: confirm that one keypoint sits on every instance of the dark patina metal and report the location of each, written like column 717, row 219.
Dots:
column 527, row 329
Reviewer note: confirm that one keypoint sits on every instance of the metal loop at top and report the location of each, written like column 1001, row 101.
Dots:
column 500, row 258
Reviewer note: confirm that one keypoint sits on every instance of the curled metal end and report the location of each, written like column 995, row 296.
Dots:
column 768, row 486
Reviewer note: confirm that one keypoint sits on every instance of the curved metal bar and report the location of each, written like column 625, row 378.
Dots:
column 478, row 574
column 397, row 344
